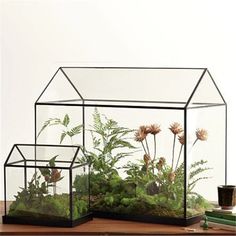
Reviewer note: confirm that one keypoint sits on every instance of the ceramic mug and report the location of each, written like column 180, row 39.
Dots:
column 227, row 196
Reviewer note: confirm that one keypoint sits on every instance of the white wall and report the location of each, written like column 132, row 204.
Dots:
column 37, row 36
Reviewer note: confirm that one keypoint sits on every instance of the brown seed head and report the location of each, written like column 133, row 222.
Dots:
column 181, row 139
column 47, row 178
column 161, row 163
column 176, row 128
column 171, row 176
column 154, row 129
column 201, row 134
column 146, row 158
column 55, row 175
column 139, row 136
column 141, row 133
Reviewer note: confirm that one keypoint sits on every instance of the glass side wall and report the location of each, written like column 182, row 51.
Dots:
column 80, row 191
column 205, row 157
column 59, row 124
column 138, row 160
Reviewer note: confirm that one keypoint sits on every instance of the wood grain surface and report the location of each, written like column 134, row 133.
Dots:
column 108, row 227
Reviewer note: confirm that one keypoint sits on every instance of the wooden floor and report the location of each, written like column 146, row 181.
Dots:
column 107, row 227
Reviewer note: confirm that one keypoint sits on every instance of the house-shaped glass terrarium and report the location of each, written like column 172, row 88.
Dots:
column 46, row 185
column 155, row 138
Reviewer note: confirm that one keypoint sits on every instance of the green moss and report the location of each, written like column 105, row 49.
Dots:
column 51, row 206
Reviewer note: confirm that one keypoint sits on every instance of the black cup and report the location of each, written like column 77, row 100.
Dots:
column 227, row 196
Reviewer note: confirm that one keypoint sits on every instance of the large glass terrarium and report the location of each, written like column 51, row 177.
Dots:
column 46, row 185
column 155, row 138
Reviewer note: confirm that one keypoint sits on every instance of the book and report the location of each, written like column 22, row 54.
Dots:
column 221, row 221
column 219, row 226
column 220, row 210
column 221, row 215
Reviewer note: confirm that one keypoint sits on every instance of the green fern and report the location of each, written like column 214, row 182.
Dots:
column 107, row 136
column 64, row 123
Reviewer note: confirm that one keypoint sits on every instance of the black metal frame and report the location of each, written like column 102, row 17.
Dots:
column 41, row 221
column 142, row 105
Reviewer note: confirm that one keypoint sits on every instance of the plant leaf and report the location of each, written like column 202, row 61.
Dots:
column 66, row 120
column 49, row 122
column 63, row 135
column 52, row 161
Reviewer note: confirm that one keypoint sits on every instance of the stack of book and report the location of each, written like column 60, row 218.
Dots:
column 222, row 219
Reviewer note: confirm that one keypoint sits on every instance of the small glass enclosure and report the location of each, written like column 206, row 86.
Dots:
column 155, row 138
column 46, row 185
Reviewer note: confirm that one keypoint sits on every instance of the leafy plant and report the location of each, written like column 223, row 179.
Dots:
column 107, row 138
column 63, row 123
column 51, row 175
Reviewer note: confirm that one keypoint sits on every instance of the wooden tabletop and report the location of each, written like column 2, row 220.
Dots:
column 107, row 227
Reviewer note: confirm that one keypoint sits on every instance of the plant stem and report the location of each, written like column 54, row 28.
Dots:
column 154, row 156
column 143, row 147
column 180, row 151
column 147, row 146
column 173, row 152
column 155, row 148
column 54, row 188
column 193, row 144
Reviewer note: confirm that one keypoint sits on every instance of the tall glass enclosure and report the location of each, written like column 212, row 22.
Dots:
column 155, row 138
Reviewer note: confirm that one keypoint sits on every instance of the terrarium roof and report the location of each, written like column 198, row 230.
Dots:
column 133, row 87
column 37, row 155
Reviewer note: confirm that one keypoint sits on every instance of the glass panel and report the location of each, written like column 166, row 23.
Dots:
column 206, row 157
column 135, row 84
column 46, row 196
column 12, row 187
column 59, row 89
column 127, row 179
column 59, row 125
column 206, row 93
column 80, row 183
column 15, row 157
column 44, row 153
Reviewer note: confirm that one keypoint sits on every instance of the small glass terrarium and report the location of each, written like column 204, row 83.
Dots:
column 155, row 138
column 46, row 185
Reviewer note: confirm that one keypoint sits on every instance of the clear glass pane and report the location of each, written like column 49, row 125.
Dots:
column 205, row 157
column 60, row 90
column 59, row 125
column 16, row 156
column 41, row 155
column 80, row 183
column 206, row 93
column 123, row 179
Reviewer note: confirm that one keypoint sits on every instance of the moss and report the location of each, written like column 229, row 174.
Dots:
column 50, row 206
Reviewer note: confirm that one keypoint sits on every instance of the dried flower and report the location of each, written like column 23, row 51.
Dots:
column 146, row 158
column 56, row 175
column 176, row 128
column 47, row 178
column 181, row 139
column 161, row 163
column 201, row 134
column 139, row 136
column 171, row 176
column 143, row 129
column 154, row 129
